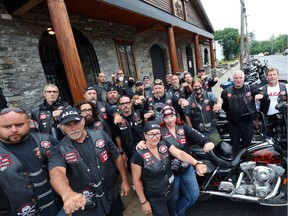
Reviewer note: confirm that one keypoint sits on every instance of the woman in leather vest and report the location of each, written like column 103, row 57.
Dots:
column 152, row 174
column 182, row 136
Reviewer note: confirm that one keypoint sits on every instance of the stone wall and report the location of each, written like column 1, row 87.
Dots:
column 21, row 73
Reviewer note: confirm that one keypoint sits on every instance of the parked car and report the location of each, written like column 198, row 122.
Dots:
column 285, row 53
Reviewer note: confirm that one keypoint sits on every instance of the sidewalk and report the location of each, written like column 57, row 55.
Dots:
column 223, row 76
column 131, row 202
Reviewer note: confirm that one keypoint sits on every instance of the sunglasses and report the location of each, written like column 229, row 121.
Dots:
column 158, row 82
column 14, row 109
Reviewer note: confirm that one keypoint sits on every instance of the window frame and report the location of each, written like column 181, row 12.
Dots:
column 126, row 43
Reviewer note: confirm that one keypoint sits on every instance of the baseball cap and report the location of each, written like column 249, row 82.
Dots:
column 89, row 88
column 146, row 77
column 112, row 88
column 70, row 114
column 158, row 82
column 151, row 125
column 138, row 82
column 167, row 110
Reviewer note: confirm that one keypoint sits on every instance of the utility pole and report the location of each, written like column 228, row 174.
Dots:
column 243, row 11
column 246, row 38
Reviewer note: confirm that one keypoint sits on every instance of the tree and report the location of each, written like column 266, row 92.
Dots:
column 231, row 41
column 230, row 38
column 274, row 45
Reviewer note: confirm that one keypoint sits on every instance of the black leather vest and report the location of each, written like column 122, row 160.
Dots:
column 102, row 184
column 43, row 120
column 157, row 176
column 16, row 180
column 127, row 138
column 281, row 97
column 157, row 106
column 247, row 97
column 179, row 142
column 202, row 116
column 102, row 110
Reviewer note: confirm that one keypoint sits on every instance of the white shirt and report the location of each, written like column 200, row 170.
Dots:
column 273, row 93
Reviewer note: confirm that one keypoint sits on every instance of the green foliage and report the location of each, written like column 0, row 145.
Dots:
column 231, row 41
column 230, row 38
column 274, row 45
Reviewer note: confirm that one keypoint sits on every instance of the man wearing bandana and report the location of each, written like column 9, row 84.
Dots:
column 200, row 114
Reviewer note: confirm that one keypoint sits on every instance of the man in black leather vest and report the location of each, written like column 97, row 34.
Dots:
column 45, row 116
column 91, row 161
column 276, row 91
column 239, row 105
column 207, row 82
column 102, row 86
column 200, row 114
column 24, row 179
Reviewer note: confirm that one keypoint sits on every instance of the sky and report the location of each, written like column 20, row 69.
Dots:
column 264, row 17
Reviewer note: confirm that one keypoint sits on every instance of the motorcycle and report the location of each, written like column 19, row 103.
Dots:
column 257, row 173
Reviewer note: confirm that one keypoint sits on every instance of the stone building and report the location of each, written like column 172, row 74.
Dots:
column 69, row 42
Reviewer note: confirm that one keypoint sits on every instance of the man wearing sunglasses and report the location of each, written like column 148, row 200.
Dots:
column 45, row 116
column 24, row 181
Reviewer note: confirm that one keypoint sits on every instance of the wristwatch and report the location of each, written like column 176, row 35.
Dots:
column 198, row 162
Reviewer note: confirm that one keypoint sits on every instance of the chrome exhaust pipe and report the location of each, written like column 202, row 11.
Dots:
column 276, row 188
column 233, row 196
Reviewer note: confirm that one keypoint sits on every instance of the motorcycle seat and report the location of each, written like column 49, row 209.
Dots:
column 224, row 162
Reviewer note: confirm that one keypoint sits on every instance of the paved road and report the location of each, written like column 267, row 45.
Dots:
column 279, row 62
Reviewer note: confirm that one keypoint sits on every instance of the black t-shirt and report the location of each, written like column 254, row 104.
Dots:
column 137, row 133
column 30, row 157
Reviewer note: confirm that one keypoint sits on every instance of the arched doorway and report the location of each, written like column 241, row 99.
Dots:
column 206, row 58
column 53, row 66
column 158, row 62
column 190, row 63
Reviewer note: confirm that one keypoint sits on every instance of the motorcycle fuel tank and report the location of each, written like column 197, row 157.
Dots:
column 266, row 155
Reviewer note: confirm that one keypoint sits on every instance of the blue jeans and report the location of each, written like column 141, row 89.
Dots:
column 186, row 191
column 61, row 213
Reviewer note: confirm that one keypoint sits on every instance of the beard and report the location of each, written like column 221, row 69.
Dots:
column 74, row 135
column 141, row 91
column 176, row 86
column 15, row 138
column 89, row 120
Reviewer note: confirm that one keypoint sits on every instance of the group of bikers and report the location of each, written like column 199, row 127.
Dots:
column 60, row 159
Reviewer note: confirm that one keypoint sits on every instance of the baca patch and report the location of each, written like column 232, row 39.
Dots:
column 43, row 116
column 5, row 160
column 180, row 132
column 71, row 157
column 100, row 143
column 163, row 149
column 45, row 144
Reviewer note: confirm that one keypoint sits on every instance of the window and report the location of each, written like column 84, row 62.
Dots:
column 126, row 57
column 180, row 59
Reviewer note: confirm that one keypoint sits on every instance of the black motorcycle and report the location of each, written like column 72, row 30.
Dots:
column 257, row 173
